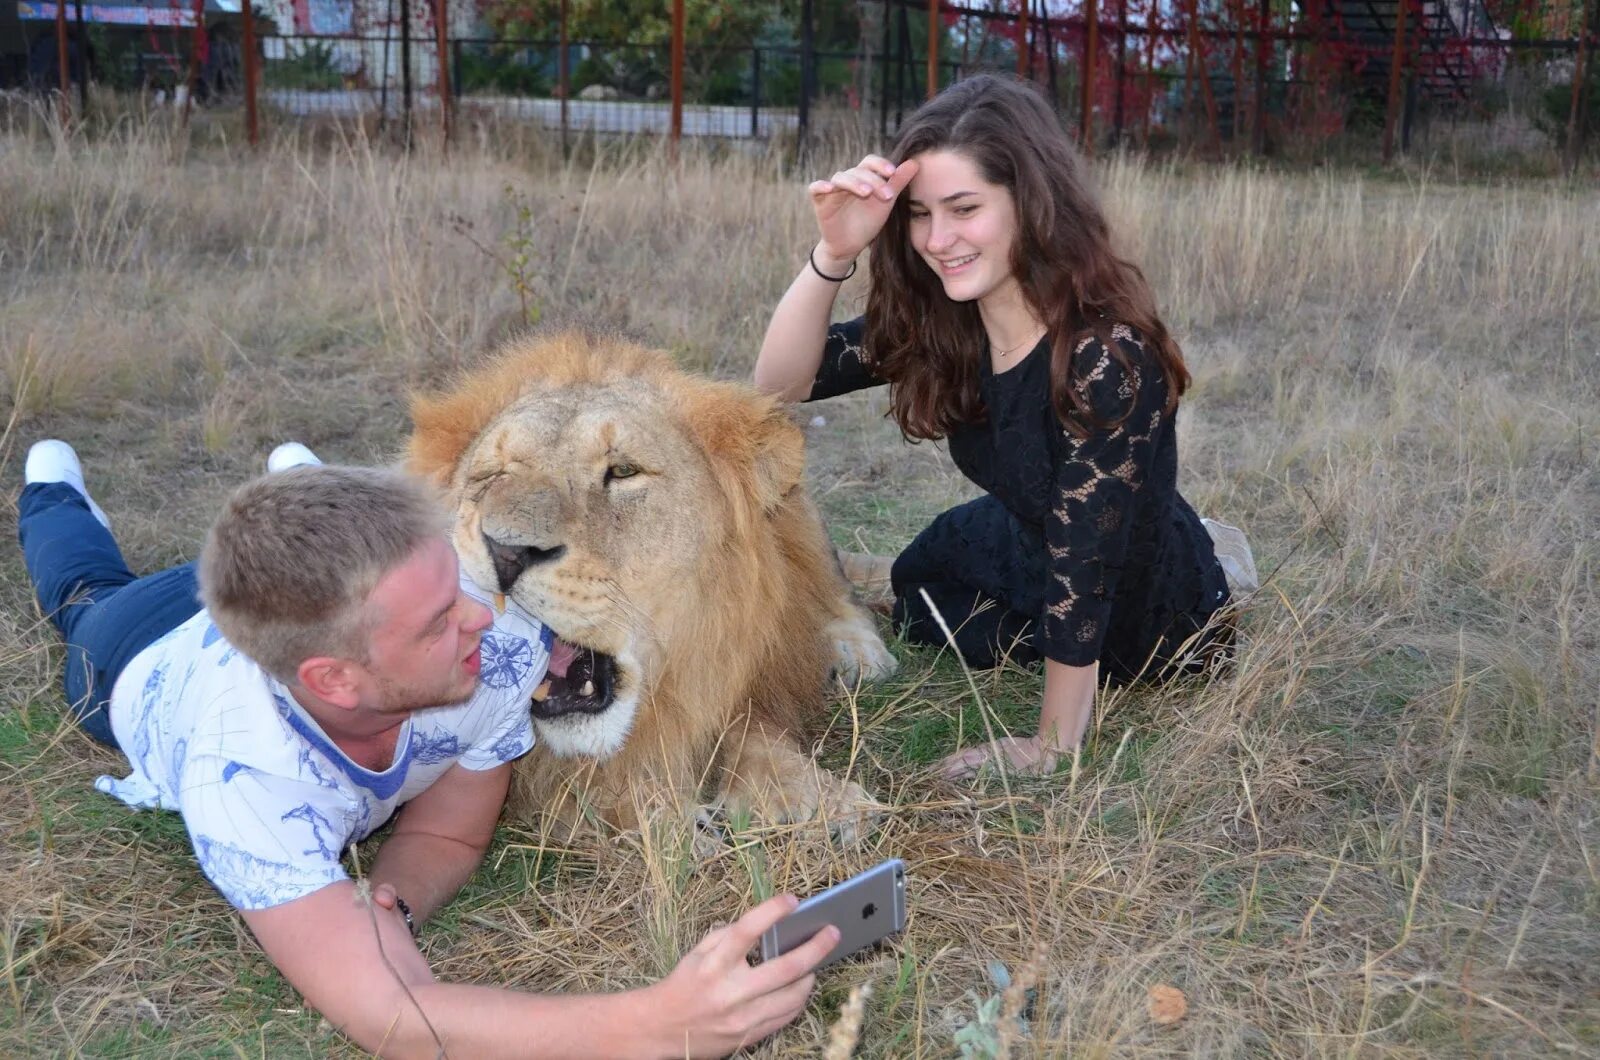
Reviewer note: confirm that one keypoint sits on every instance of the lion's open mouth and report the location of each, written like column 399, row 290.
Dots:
column 580, row 680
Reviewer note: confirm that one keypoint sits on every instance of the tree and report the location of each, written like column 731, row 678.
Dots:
column 717, row 33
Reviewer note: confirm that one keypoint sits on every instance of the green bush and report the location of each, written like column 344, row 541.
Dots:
column 1555, row 113
column 308, row 65
column 512, row 71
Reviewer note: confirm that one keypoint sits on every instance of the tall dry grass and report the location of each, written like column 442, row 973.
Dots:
column 1377, row 835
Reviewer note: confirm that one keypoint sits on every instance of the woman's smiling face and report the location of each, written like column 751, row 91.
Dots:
column 962, row 226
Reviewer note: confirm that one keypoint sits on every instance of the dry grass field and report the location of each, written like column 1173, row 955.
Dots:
column 1378, row 835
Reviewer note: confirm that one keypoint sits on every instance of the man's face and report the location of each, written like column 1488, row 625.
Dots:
column 424, row 645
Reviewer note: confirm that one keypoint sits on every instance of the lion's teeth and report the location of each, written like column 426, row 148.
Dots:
column 541, row 693
column 587, row 689
column 499, row 603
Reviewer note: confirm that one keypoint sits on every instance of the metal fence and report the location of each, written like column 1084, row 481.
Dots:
column 1219, row 76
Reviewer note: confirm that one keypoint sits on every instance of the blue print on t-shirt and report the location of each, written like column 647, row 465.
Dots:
column 510, row 746
column 245, row 880
column 434, row 746
column 319, row 824
column 506, row 660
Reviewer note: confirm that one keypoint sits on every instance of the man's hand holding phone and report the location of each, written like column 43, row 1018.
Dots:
column 715, row 1002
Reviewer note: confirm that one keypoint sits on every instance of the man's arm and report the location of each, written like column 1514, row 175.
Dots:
column 361, row 970
column 439, row 838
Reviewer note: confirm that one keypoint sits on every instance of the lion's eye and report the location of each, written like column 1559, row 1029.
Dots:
column 616, row 471
column 479, row 483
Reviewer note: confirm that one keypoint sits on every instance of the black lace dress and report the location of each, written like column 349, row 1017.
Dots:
column 1082, row 549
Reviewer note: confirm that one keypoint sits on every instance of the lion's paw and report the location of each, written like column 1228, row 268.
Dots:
column 709, row 838
column 859, row 653
column 811, row 794
column 850, row 811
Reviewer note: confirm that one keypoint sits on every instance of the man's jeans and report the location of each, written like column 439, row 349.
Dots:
column 106, row 615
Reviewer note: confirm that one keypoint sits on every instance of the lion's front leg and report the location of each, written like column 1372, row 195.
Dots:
column 859, row 653
column 768, row 776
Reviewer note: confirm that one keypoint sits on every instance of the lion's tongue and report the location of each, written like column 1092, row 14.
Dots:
column 561, row 656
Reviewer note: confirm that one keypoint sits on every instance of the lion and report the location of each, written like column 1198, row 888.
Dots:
column 656, row 523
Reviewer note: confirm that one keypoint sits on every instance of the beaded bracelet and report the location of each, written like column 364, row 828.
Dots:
column 405, row 911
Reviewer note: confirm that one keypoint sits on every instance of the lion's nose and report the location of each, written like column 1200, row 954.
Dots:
column 511, row 560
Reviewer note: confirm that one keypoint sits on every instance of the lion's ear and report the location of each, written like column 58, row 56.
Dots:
column 751, row 442
column 780, row 457
column 444, row 426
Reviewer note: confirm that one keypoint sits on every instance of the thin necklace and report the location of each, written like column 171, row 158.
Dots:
column 1025, row 342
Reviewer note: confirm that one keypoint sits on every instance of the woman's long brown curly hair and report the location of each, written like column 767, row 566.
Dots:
column 929, row 346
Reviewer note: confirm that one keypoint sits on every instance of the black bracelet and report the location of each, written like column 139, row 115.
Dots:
column 405, row 911
column 812, row 257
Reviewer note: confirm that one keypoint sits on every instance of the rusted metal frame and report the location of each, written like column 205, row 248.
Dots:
column 251, row 72
column 1091, row 42
column 1197, row 64
column 441, row 28
column 1580, row 69
column 677, row 74
column 1391, row 114
column 933, row 48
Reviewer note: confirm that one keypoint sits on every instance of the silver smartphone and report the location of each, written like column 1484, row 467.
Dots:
column 865, row 908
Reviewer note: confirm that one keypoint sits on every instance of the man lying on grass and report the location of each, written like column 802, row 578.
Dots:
column 332, row 677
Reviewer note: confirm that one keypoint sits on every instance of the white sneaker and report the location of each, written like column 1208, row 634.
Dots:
column 1234, row 557
column 53, row 460
column 290, row 454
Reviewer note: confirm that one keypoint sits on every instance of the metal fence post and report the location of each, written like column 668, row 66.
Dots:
column 1153, row 22
column 677, row 74
column 1576, row 124
column 1264, row 51
column 1393, row 110
column 82, row 36
column 933, row 48
column 456, row 86
column 1091, row 42
column 807, row 46
column 197, row 40
column 883, row 67
column 63, row 66
column 902, row 66
column 565, row 79
column 441, row 15
column 405, row 71
column 251, row 72
column 1024, row 51
column 1122, row 65
column 755, row 92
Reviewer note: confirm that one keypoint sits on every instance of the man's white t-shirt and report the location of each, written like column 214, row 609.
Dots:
column 270, row 803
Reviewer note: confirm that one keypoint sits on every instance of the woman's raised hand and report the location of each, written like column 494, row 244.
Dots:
column 852, row 205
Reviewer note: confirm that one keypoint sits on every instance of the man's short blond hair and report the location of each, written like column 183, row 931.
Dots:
column 290, row 563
